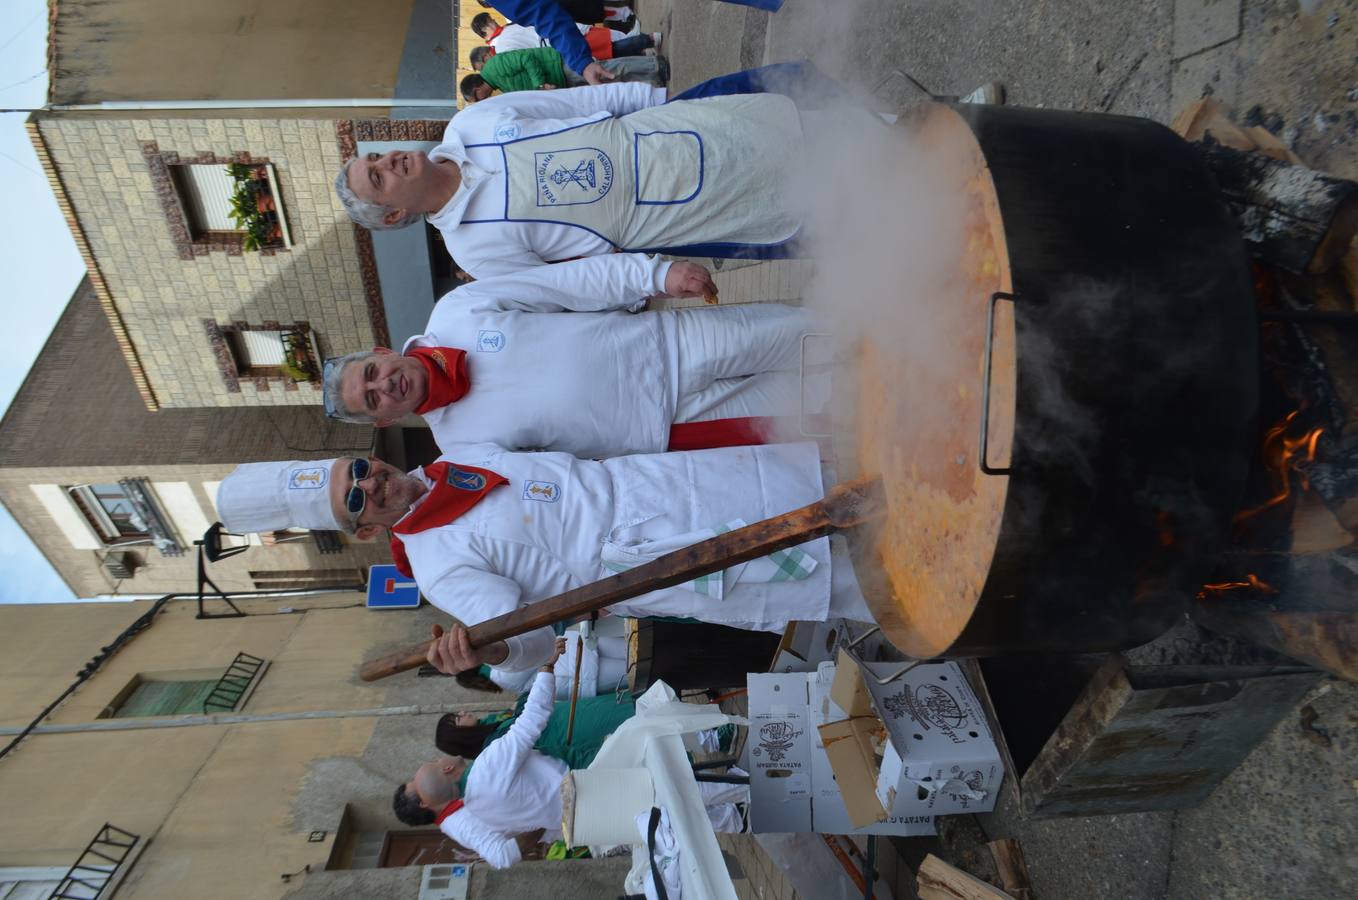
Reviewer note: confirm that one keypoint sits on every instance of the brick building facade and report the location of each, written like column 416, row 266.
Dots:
column 196, row 342
column 79, row 451
column 179, row 300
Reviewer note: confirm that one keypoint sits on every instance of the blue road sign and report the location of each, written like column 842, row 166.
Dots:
column 389, row 589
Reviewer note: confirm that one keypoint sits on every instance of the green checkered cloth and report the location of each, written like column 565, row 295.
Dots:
column 791, row 564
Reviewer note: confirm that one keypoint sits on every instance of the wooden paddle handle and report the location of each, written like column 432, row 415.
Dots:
column 846, row 505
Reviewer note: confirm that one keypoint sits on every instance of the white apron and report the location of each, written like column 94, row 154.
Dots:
column 699, row 172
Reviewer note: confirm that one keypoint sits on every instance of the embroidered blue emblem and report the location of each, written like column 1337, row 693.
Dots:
column 466, row 481
column 311, row 478
column 542, row 491
column 488, row 341
column 508, row 132
column 572, row 177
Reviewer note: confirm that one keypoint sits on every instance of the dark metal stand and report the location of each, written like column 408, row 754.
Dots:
column 211, row 547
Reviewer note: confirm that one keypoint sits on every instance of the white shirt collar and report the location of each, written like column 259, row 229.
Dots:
column 473, row 176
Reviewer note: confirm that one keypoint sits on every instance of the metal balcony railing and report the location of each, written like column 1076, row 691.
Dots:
column 96, row 865
column 232, row 685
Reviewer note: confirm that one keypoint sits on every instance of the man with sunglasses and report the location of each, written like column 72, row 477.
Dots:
column 485, row 530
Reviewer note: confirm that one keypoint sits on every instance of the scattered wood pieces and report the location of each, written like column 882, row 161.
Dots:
column 1290, row 215
column 939, row 881
column 1013, row 868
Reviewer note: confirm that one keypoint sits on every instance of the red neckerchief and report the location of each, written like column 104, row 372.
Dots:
column 494, row 34
column 448, row 811
column 446, row 376
column 456, row 489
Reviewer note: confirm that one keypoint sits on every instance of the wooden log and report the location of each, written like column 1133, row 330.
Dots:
column 844, row 506
column 939, row 881
column 1325, row 639
column 1289, row 216
column 1210, row 117
column 1013, row 868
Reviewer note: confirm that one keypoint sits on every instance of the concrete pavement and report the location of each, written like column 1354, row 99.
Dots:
column 1280, row 825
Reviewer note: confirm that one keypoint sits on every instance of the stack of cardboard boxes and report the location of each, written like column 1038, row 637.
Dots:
column 836, row 752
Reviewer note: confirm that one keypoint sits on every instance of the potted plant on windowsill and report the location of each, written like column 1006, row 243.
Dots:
column 297, row 360
column 254, row 208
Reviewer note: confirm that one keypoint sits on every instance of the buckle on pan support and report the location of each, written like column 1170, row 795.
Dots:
column 880, row 679
column 801, row 387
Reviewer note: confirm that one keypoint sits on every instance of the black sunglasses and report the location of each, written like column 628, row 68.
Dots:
column 356, row 499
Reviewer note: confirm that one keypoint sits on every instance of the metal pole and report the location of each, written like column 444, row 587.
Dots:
column 870, row 867
column 249, row 719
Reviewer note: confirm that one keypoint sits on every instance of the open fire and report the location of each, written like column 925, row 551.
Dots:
column 1281, row 454
column 1252, row 582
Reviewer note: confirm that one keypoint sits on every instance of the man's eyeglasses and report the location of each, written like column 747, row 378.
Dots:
column 356, row 499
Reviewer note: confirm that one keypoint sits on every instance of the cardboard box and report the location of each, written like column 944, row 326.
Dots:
column 937, row 755
column 806, row 645
column 792, row 784
column 779, row 748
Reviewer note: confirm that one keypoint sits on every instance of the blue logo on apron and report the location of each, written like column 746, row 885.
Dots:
column 490, row 341
column 542, row 491
column 466, row 481
column 507, row 132
column 572, row 177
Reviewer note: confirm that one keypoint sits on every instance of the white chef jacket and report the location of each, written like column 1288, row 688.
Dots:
column 516, row 37
column 512, row 788
column 493, row 248
column 595, row 381
column 564, row 671
column 545, row 531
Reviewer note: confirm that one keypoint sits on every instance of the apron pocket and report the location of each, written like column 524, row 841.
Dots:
column 668, row 167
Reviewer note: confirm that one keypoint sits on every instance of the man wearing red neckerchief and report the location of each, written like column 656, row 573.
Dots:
column 529, row 363
column 487, row 530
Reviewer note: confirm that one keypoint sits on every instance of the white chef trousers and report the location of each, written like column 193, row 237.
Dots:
column 738, row 361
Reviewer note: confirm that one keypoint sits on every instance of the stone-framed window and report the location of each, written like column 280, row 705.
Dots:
column 194, row 194
column 265, row 353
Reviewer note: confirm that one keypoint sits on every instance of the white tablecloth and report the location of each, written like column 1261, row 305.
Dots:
column 654, row 739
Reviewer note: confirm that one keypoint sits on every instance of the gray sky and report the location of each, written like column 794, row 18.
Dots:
column 39, row 266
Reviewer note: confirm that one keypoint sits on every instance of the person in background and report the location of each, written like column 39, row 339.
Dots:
column 603, row 668
column 555, row 21
column 542, row 69
column 604, row 43
column 512, row 790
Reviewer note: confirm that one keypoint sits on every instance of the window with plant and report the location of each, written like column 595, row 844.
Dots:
column 254, row 208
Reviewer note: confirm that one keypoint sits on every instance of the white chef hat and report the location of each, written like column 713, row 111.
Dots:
column 271, row 496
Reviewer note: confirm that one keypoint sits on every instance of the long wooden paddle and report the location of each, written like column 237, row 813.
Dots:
column 846, row 505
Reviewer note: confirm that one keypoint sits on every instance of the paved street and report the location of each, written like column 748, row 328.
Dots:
column 1280, row 825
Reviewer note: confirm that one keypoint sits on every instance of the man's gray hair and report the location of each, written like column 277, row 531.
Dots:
column 332, row 372
column 369, row 215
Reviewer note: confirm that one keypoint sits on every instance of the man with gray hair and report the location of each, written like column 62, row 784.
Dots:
column 533, row 177
column 536, row 362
